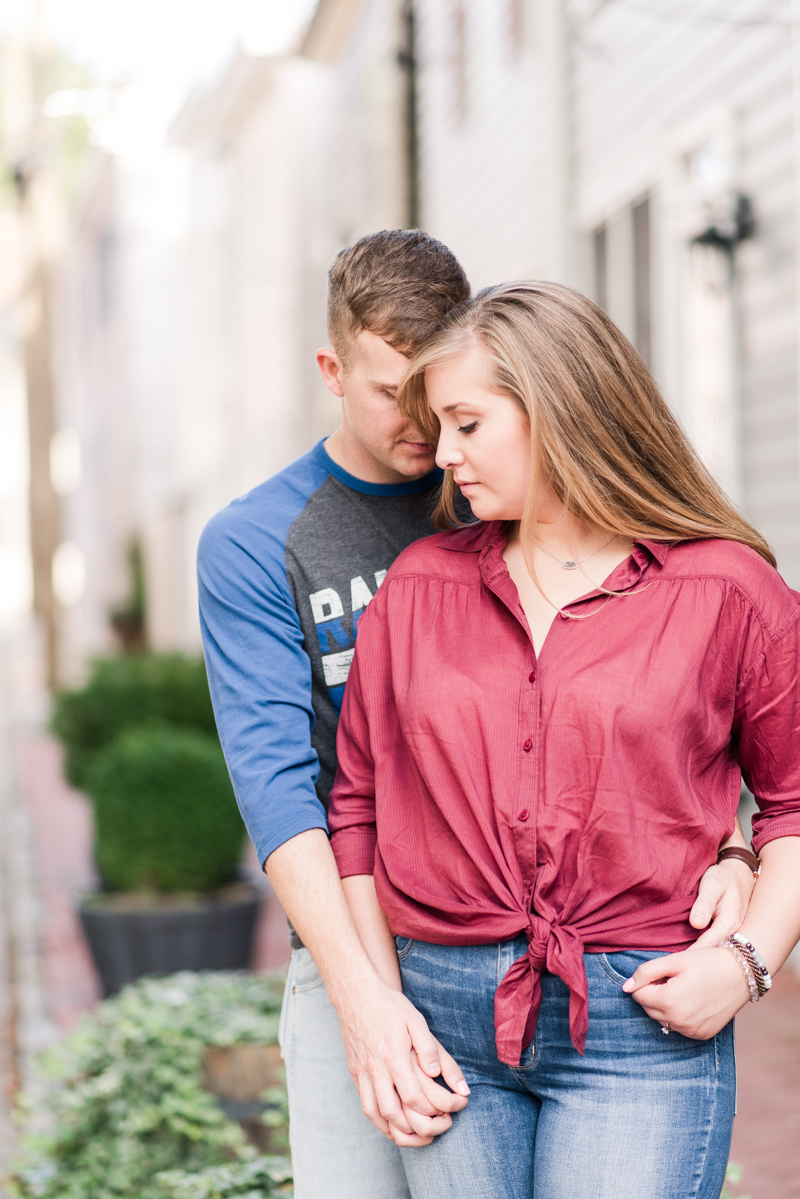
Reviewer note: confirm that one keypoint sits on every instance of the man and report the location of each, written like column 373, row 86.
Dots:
column 285, row 573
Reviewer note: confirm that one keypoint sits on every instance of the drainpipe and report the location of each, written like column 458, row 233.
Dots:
column 731, row 223
column 407, row 60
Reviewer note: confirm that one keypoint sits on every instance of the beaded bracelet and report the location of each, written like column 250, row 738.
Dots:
column 757, row 963
column 747, row 969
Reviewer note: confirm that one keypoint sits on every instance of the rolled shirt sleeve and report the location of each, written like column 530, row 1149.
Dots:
column 260, row 679
column 768, row 729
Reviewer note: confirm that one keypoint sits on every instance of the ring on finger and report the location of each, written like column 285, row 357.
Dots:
column 665, row 1028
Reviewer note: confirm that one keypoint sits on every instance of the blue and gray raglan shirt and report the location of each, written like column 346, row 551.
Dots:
column 284, row 574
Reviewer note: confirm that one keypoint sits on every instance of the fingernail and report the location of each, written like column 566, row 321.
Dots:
column 628, row 984
column 462, row 1089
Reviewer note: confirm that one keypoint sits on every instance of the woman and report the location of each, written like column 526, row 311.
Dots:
column 540, row 751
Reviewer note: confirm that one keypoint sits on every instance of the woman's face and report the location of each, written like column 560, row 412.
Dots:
column 485, row 436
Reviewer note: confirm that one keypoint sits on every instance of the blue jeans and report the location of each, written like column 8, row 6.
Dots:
column 640, row 1116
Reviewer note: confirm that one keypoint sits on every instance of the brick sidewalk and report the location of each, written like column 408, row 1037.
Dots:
column 767, row 1131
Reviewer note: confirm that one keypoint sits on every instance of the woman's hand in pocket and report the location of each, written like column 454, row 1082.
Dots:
column 696, row 992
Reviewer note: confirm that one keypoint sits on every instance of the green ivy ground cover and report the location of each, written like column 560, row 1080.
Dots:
column 125, row 1113
column 244, row 1180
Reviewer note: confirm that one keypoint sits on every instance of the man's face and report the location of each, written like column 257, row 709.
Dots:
column 373, row 422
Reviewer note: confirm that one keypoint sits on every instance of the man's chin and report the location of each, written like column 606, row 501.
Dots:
column 414, row 465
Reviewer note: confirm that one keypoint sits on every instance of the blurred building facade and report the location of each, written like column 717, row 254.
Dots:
column 246, row 396
column 639, row 153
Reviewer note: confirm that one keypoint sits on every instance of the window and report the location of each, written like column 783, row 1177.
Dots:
column 600, row 250
column 641, row 278
column 622, row 273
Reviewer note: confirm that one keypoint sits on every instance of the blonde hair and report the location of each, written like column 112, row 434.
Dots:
column 601, row 432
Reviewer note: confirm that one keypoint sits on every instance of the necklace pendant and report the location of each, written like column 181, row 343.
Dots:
column 569, row 565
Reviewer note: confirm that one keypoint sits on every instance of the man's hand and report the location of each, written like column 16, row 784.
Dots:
column 391, row 1053
column 394, row 1059
column 724, row 897
column 696, row 992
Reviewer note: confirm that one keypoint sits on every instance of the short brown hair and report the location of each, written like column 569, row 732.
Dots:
column 601, row 432
column 398, row 284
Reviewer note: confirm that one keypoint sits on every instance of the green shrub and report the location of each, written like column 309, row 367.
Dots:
column 124, row 1096
column 258, row 1179
column 127, row 690
column 165, row 814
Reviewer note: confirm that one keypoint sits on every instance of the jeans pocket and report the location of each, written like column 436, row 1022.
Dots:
column 620, row 966
column 305, row 975
column 404, row 947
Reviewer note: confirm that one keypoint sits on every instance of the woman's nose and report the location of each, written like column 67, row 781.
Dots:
column 447, row 456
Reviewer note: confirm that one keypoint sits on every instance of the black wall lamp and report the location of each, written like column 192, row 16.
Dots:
column 731, row 221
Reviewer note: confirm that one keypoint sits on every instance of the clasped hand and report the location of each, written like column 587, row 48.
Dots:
column 394, row 1059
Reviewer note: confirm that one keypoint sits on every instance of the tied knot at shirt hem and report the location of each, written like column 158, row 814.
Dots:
column 558, row 949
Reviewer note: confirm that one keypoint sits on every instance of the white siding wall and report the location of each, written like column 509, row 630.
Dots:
column 93, row 399
column 248, row 397
column 640, row 84
column 480, row 189
column 368, row 154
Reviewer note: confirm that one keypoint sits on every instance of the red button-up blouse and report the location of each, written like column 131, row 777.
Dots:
column 577, row 798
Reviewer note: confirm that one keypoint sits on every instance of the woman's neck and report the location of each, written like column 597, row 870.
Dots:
column 561, row 533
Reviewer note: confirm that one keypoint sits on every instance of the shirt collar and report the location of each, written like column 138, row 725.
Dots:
column 472, row 538
column 658, row 549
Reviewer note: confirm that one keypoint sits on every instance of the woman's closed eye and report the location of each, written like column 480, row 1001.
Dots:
column 467, row 429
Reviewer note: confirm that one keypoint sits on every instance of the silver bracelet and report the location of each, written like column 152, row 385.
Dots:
column 747, row 969
column 757, row 963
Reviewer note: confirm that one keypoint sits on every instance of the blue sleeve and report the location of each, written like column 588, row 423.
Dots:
column 260, row 677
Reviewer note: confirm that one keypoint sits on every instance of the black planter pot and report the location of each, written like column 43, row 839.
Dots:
column 213, row 934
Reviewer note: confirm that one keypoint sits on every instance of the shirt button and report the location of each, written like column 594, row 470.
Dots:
column 523, row 815
column 532, row 677
column 527, row 745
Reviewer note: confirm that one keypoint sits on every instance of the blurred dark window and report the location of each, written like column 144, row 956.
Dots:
column 600, row 256
column 621, row 260
column 641, row 278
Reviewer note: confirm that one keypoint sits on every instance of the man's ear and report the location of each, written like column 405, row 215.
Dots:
column 332, row 371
